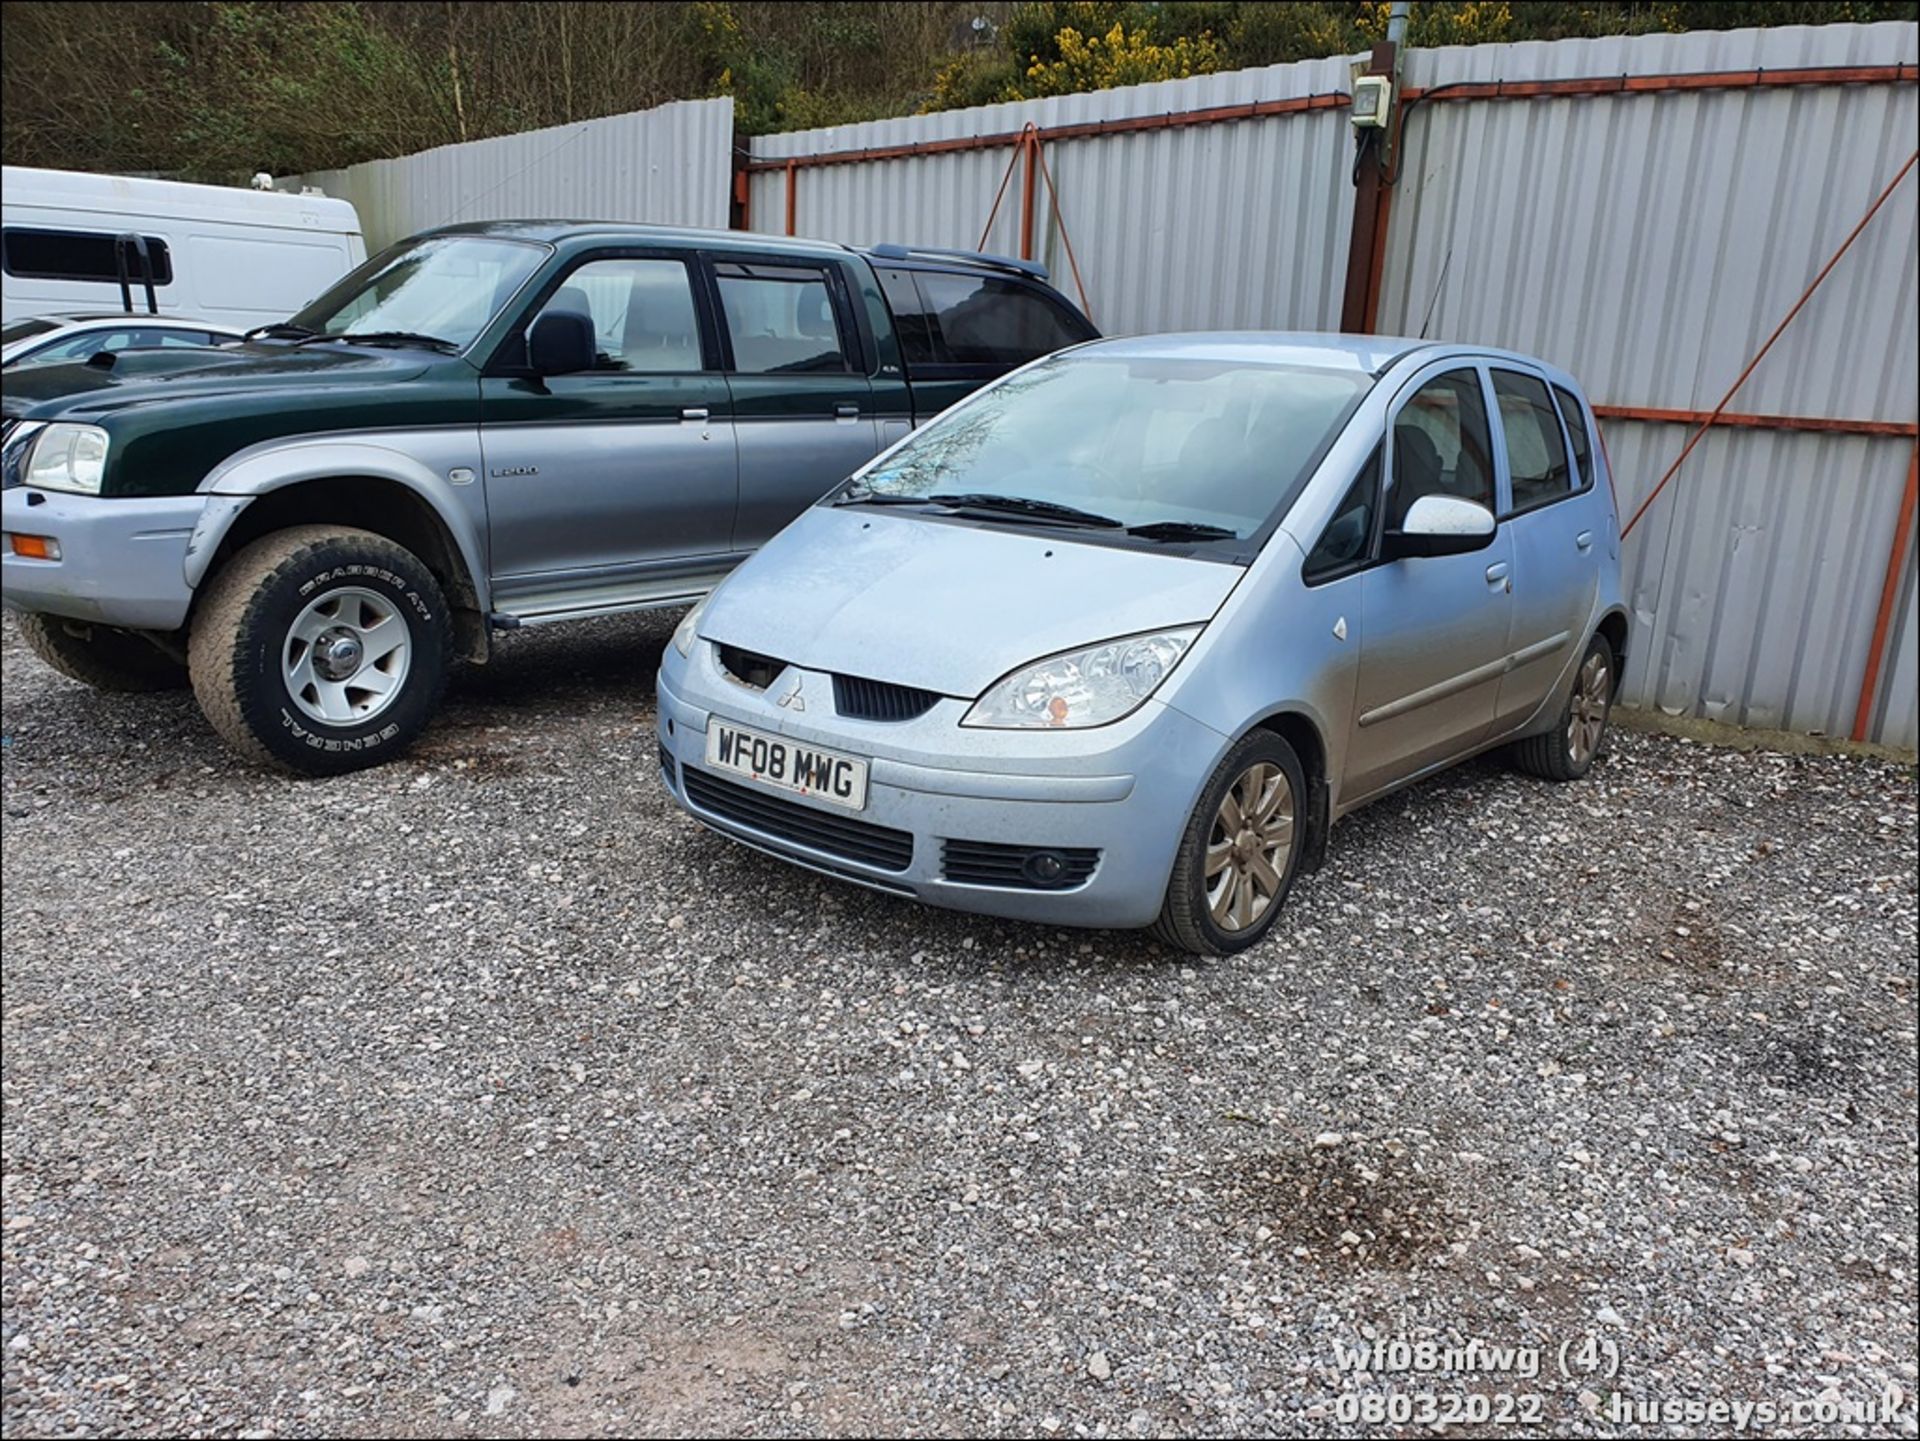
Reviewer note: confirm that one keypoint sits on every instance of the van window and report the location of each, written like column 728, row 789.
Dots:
column 1536, row 455
column 1442, row 445
column 32, row 254
column 642, row 313
column 977, row 320
column 780, row 318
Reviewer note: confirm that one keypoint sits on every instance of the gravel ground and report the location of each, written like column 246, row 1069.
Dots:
column 484, row 1094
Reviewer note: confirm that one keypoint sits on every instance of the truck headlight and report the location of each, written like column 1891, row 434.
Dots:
column 1080, row 688
column 685, row 633
column 68, row 457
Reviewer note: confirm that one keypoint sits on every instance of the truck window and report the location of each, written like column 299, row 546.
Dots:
column 780, row 318
column 912, row 325
column 27, row 253
column 979, row 320
column 642, row 313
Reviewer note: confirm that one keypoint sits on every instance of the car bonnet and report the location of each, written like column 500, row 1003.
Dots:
column 947, row 607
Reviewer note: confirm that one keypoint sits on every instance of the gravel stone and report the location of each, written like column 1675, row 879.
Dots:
column 485, row 1094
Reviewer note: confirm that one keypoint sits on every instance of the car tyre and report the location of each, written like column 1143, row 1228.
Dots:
column 1240, row 851
column 320, row 650
column 101, row 656
column 1567, row 751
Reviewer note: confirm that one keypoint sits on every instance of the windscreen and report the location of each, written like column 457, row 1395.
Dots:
column 1139, row 441
column 444, row 286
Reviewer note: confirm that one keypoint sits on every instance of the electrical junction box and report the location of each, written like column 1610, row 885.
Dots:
column 1372, row 101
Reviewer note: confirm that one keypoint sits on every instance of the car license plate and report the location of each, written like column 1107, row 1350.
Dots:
column 784, row 765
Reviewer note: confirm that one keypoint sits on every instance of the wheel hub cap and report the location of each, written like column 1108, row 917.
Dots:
column 1587, row 715
column 337, row 654
column 346, row 656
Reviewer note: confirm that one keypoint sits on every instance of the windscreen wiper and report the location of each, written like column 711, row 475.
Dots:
column 384, row 337
column 880, row 497
column 1026, row 508
column 1182, row 530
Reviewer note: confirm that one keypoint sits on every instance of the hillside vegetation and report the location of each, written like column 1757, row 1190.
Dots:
column 220, row 90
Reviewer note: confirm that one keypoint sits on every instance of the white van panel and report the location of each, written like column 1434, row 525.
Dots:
column 241, row 256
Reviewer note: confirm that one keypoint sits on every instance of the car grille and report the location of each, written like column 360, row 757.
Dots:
column 879, row 700
column 1020, row 868
column 843, row 836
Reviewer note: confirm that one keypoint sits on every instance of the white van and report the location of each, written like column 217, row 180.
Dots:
column 216, row 252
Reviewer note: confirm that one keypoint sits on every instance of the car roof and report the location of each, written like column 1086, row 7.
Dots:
column 555, row 232
column 110, row 317
column 1366, row 354
column 1323, row 350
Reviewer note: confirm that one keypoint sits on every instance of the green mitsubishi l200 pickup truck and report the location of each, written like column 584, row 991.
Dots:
column 487, row 426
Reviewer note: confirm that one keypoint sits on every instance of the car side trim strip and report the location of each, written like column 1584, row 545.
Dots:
column 1466, row 680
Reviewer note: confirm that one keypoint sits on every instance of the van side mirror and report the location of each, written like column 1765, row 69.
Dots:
column 561, row 343
column 1440, row 525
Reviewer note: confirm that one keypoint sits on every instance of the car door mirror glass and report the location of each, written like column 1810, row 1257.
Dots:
column 561, row 342
column 1441, row 525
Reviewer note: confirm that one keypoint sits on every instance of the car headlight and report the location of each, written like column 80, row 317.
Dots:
column 1079, row 688
column 685, row 633
column 68, row 457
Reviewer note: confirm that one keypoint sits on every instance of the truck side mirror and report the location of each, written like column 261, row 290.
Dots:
column 561, row 343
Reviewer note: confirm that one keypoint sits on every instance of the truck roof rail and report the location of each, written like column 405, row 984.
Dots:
column 1031, row 268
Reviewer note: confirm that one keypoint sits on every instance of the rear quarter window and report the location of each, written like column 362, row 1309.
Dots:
column 980, row 320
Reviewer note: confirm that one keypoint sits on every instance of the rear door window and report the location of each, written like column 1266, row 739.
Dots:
column 1536, row 455
column 978, row 320
column 780, row 318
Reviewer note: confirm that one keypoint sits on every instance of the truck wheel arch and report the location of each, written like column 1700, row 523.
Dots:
column 382, row 498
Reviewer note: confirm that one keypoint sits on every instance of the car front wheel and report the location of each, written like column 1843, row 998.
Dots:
column 1240, row 851
column 321, row 649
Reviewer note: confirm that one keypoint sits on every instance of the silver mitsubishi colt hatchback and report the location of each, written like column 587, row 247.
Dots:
column 1115, row 641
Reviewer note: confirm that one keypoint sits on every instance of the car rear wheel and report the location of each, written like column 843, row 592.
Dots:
column 100, row 656
column 1240, row 851
column 1567, row 752
column 321, row 649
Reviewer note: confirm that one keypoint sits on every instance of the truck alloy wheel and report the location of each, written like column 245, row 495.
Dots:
column 321, row 649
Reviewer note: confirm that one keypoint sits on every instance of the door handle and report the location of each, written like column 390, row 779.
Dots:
column 694, row 412
column 847, row 410
column 1497, row 576
column 1584, row 540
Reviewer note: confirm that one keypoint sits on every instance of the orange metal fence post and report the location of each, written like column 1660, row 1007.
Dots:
column 1889, row 595
column 793, row 193
column 1030, row 143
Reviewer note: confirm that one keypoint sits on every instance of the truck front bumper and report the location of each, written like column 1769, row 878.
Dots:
column 122, row 559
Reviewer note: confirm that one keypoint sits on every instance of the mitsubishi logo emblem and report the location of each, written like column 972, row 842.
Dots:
column 793, row 700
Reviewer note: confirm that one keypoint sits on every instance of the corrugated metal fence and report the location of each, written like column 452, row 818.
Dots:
column 1647, row 240
column 668, row 166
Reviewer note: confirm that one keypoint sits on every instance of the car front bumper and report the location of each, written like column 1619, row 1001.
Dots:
column 122, row 558
column 1123, row 790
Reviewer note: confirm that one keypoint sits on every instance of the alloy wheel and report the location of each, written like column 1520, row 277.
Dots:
column 1587, row 713
column 346, row 656
column 1249, row 847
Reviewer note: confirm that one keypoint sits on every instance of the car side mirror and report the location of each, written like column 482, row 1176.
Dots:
column 1440, row 525
column 561, row 343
